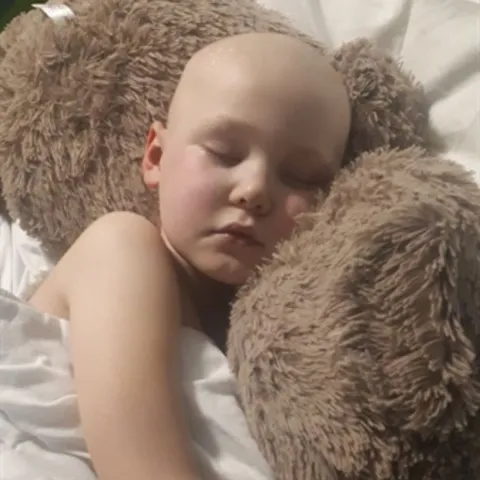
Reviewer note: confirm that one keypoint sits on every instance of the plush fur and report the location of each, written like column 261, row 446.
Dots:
column 355, row 348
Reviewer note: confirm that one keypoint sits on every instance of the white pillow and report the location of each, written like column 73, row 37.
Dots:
column 438, row 41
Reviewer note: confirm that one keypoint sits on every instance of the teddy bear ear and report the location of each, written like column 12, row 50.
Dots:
column 389, row 108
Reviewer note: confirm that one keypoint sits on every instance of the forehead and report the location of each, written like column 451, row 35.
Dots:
column 265, row 98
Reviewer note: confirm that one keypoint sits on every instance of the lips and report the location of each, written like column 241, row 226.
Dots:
column 241, row 232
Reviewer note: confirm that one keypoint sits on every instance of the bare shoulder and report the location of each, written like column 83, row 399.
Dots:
column 119, row 240
column 117, row 249
column 114, row 234
column 119, row 230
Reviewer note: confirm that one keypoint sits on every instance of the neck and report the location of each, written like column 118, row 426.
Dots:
column 211, row 303
column 210, row 298
column 206, row 301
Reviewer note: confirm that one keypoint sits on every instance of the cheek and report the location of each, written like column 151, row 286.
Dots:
column 189, row 184
column 298, row 204
column 201, row 180
column 294, row 206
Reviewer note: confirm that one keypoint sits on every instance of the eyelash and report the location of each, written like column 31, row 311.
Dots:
column 225, row 158
column 304, row 184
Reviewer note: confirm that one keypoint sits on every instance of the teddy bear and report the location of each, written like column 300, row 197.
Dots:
column 355, row 348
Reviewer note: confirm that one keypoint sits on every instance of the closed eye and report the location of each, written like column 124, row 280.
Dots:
column 223, row 156
column 304, row 181
column 304, row 184
column 308, row 168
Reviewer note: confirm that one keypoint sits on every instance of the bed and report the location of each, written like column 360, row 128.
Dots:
column 439, row 41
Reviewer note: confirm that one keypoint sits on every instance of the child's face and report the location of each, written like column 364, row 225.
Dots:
column 241, row 159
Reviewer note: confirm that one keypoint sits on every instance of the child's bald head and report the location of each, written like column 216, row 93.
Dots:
column 257, row 126
column 265, row 71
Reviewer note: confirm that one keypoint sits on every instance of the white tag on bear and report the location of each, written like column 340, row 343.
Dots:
column 56, row 12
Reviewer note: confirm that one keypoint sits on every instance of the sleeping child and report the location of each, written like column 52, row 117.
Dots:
column 256, row 129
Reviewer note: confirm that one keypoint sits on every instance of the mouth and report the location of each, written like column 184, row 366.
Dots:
column 242, row 234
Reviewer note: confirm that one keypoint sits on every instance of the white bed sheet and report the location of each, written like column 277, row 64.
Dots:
column 40, row 435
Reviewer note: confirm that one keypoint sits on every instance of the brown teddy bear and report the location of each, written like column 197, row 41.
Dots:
column 355, row 349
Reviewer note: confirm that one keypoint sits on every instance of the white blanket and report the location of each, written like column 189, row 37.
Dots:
column 40, row 437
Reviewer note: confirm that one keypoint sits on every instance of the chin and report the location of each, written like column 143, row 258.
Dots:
column 230, row 273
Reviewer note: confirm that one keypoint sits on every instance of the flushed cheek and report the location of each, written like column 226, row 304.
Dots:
column 194, row 186
column 297, row 204
column 198, row 167
column 293, row 207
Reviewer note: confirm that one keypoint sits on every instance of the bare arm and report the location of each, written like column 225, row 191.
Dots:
column 124, row 308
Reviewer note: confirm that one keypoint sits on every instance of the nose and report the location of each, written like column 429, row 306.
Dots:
column 252, row 190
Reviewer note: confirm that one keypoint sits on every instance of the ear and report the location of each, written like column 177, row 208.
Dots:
column 153, row 155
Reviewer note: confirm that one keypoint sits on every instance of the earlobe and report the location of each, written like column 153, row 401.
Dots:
column 152, row 155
